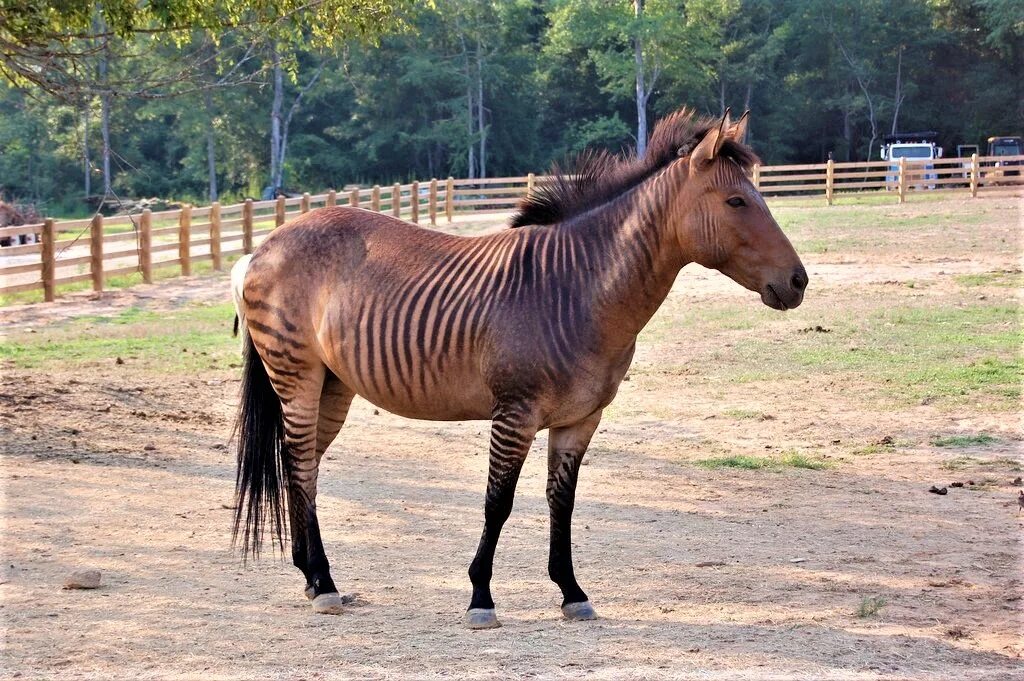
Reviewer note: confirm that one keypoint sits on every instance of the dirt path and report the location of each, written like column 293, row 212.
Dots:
column 133, row 480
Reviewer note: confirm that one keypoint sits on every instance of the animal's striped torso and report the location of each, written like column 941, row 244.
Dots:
column 436, row 326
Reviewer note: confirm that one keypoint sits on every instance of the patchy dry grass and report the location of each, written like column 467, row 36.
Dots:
column 973, row 440
column 788, row 459
column 193, row 338
column 870, row 606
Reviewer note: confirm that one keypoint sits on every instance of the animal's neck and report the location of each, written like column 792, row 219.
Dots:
column 640, row 257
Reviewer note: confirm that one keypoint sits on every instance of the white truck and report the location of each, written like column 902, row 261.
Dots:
column 915, row 146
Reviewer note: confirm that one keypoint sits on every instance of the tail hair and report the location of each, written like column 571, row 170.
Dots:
column 234, row 330
column 261, row 482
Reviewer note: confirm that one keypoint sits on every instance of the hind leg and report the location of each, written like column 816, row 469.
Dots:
column 301, row 390
column 307, row 547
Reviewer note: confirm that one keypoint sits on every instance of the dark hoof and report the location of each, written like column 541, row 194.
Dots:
column 579, row 611
column 482, row 618
column 310, row 593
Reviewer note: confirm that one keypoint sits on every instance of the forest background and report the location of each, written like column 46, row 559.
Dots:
column 197, row 100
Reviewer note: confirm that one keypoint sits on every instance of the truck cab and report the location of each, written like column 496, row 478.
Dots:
column 913, row 146
column 1006, row 146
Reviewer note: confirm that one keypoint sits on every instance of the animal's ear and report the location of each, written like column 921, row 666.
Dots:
column 708, row 148
column 738, row 131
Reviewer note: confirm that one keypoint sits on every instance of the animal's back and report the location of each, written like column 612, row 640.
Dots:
column 395, row 311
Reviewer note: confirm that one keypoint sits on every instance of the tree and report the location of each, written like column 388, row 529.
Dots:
column 633, row 46
column 66, row 48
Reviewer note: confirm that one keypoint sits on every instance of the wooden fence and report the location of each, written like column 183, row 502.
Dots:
column 95, row 249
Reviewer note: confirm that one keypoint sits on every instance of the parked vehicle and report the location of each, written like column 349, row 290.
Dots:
column 914, row 146
column 966, row 151
column 1005, row 146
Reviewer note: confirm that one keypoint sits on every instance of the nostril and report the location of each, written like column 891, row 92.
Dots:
column 799, row 280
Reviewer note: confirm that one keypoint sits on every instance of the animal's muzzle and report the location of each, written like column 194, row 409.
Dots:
column 787, row 295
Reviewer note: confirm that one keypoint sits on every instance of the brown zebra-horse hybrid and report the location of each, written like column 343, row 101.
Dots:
column 532, row 328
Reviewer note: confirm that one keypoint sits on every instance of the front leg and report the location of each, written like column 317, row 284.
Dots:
column 566, row 447
column 512, row 431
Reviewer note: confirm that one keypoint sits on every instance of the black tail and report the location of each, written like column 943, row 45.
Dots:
column 234, row 331
column 261, row 481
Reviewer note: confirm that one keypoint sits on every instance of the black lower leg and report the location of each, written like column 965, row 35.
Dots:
column 563, row 472
column 307, row 547
column 496, row 511
column 512, row 431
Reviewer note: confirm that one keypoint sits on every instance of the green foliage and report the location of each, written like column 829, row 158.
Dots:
column 393, row 101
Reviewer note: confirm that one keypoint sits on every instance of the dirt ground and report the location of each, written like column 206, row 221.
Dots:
column 696, row 572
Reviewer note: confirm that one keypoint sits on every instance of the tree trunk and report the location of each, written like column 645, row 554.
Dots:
column 872, row 119
column 211, row 158
column 847, row 113
column 85, row 150
column 471, row 160
column 480, row 111
column 721, row 97
column 898, row 99
column 275, row 122
column 105, row 123
column 641, row 90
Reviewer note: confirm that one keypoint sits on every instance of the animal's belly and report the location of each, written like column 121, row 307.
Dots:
column 439, row 395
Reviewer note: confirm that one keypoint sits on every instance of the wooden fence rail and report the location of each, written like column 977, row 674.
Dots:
column 96, row 249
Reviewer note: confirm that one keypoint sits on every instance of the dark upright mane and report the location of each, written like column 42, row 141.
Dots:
column 596, row 177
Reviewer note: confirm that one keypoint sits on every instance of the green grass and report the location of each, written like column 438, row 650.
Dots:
column 872, row 224
column 1000, row 278
column 875, row 448
column 976, row 440
column 909, row 353
column 788, row 459
column 963, row 461
column 794, row 459
column 735, row 461
column 869, row 606
column 160, row 273
column 187, row 340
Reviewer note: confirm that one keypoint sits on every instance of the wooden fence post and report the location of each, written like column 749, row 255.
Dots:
column 974, row 176
column 903, row 180
column 415, row 201
column 49, row 261
column 757, row 176
column 96, row 251
column 247, row 226
column 396, row 200
column 830, row 176
column 184, row 239
column 433, row 203
column 215, row 235
column 375, row 199
column 449, row 198
column 304, row 206
column 530, row 180
column 279, row 209
column 353, row 198
column 146, row 246
column 332, row 198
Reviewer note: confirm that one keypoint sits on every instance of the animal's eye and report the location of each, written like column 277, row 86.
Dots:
column 736, row 202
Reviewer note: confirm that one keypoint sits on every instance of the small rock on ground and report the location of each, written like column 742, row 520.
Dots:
column 83, row 579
